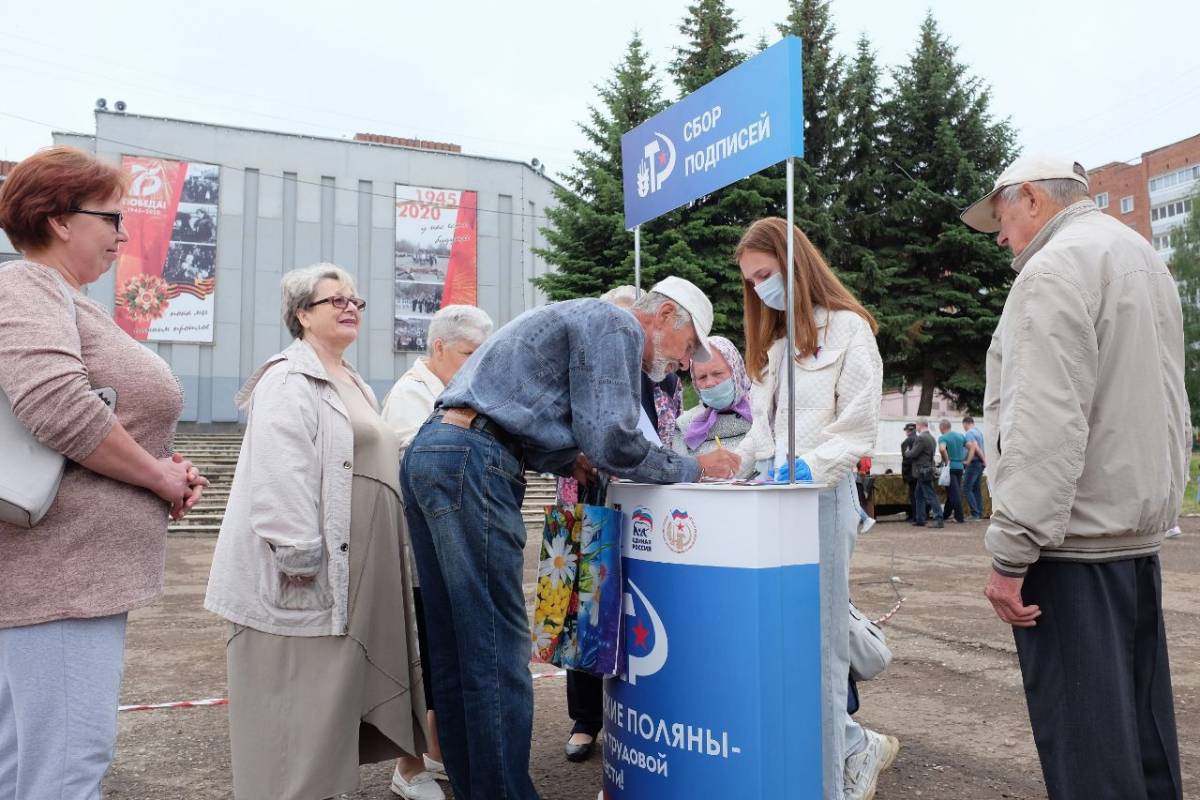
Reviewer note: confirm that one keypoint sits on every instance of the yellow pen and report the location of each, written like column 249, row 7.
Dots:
column 718, row 438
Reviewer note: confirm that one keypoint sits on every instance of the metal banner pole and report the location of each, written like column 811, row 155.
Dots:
column 637, row 260
column 791, row 325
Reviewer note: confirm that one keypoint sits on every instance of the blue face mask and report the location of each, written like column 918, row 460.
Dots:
column 721, row 396
column 771, row 292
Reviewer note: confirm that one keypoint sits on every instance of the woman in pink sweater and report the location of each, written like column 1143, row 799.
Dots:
column 67, row 584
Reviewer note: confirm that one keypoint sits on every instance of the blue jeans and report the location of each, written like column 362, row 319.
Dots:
column 926, row 496
column 972, row 476
column 462, row 496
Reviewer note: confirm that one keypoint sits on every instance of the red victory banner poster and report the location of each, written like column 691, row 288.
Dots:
column 166, row 271
column 436, row 257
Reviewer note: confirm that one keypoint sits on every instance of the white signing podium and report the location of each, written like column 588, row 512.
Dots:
column 721, row 696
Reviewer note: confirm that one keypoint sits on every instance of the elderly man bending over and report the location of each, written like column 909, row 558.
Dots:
column 1089, row 434
column 555, row 381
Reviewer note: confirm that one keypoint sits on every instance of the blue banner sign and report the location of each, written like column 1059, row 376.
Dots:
column 721, row 692
column 744, row 121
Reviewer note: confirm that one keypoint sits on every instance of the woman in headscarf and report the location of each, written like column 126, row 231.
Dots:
column 724, row 412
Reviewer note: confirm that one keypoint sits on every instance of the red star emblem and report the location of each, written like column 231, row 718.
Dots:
column 662, row 158
column 639, row 634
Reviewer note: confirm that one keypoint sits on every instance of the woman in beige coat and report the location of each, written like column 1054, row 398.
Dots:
column 310, row 569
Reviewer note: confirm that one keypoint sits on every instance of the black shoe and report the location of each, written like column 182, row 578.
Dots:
column 917, row 524
column 937, row 523
column 579, row 752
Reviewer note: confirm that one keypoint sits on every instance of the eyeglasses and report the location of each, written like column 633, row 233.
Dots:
column 341, row 302
column 115, row 217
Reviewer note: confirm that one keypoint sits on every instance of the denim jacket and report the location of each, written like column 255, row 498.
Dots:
column 565, row 378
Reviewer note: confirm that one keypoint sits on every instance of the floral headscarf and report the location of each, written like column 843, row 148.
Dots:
column 697, row 432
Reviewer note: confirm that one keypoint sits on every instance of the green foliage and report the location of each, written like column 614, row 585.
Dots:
column 885, row 173
column 945, row 284
column 1185, row 266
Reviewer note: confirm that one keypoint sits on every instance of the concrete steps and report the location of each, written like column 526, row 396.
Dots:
column 216, row 455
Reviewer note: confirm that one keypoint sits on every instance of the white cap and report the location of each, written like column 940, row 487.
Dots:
column 982, row 216
column 688, row 296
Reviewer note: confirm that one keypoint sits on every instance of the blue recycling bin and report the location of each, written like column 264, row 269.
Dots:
column 721, row 696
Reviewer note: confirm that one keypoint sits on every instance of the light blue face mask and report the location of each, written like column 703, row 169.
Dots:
column 721, row 396
column 771, row 292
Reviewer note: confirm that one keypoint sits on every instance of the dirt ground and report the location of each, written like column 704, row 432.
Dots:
column 952, row 695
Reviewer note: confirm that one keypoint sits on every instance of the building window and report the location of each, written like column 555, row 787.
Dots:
column 1185, row 175
column 1162, row 242
column 1168, row 210
column 1102, row 200
column 1126, row 204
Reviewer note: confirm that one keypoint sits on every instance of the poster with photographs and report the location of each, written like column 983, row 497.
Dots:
column 166, row 272
column 435, row 258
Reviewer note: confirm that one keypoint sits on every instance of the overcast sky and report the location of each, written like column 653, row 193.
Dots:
column 1100, row 80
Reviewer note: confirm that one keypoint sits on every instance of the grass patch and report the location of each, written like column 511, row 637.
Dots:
column 1190, row 506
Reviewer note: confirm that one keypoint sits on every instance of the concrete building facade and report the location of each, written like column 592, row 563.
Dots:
column 288, row 200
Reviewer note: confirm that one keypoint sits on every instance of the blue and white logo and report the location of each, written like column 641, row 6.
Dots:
column 658, row 161
column 647, row 646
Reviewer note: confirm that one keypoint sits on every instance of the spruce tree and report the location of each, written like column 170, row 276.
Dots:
column 587, row 240
column 1185, row 266
column 711, row 48
column 816, row 190
column 859, row 253
column 948, row 283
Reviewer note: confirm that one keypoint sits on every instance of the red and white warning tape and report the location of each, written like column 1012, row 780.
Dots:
column 221, row 701
column 213, row 701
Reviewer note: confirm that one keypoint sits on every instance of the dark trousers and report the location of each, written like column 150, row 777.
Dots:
column 585, row 702
column 972, row 478
column 954, row 496
column 423, row 643
column 911, row 483
column 1097, row 681
column 927, row 499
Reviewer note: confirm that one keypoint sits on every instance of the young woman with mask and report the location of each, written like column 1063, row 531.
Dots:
column 838, row 384
column 723, row 416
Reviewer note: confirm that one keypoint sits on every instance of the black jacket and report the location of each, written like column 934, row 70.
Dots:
column 906, row 464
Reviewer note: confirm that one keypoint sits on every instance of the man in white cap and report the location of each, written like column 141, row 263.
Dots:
column 1089, row 426
column 556, row 382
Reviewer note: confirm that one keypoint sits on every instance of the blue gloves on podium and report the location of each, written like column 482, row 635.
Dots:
column 781, row 475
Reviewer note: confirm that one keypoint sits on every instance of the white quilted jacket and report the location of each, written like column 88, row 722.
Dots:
column 837, row 400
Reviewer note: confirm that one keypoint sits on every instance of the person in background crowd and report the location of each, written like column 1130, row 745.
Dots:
column 838, row 386
column 556, row 383
column 921, row 454
column 724, row 410
column 952, row 446
column 455, row 332
column 1090, row 435
column 863, row 495
column 906, row 468
column 973, row 466
column 310, row 571
column 67, row 585
column 661, row 405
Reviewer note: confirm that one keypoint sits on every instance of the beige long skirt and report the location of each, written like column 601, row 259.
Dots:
column 304, row 712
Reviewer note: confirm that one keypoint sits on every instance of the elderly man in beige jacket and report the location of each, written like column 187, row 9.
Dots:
column 1089, row 427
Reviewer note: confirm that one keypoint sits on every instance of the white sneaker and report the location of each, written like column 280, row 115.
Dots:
column 1171, row 534
column 863, row 769
column 435, row 768
column 421, row 786
column 867, row 524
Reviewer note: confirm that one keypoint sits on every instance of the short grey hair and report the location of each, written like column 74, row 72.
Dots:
column 651, row 302
column 460, row 323
column 297, row 288
column 944, row 423
column 922, row 422
column 1062, row 191
column 622, row 296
